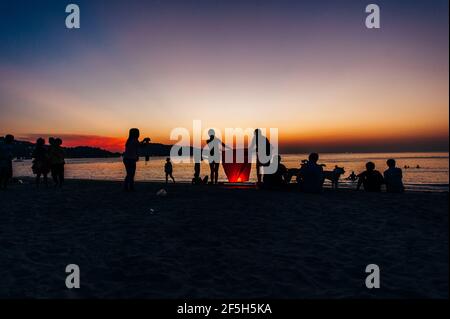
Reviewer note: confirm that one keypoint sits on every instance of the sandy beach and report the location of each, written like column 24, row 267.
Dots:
column 220, row 242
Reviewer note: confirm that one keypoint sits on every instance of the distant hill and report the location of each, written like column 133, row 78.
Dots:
column 24, row 149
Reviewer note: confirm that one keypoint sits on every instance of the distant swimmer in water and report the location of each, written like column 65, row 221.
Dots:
column 145, row 143
column 352, row 176
column 418, row 166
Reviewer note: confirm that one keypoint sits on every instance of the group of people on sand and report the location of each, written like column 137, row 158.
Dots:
column 48, row 159
column 131, row 157
column 372, row 180
column 310, row 176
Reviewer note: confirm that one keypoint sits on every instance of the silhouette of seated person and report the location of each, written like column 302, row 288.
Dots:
column 277, row 179
column 310, row 176
column 197, row 180
column 393, row 178
column 371, row 179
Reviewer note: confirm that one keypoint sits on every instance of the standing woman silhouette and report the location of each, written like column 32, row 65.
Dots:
column 214, row 144
column 131, row 156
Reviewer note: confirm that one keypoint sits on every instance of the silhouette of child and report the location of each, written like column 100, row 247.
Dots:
column 352, row 176
column 6, row 161
column 56, row 155
column 371, row 179
column 393, row 178
column 168, row 169
column 41, row 164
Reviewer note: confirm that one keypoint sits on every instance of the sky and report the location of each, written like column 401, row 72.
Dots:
column 309, row 68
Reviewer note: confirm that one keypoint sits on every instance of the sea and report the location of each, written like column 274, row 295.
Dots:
column 421, row 171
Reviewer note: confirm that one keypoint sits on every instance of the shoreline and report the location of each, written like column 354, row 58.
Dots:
column 418, row 188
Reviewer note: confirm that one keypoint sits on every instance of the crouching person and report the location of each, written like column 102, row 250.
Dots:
column 277, row 179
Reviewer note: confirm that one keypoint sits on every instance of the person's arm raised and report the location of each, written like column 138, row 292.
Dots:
column 226, row 146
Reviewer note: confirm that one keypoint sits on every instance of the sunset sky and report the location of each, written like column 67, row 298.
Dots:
column 309, row 68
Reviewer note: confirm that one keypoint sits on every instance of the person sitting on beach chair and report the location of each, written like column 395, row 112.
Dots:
column 131, row 157
column 393, row 178
column 310, row 176
column 371, row 179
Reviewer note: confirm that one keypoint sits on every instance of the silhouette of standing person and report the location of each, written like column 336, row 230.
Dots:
column 214, row 147
column 57, row 162
column 371, row 179
column 168, row 169
column 258, row 141
column 6, row 156
column 131, row 156
column 41, row 163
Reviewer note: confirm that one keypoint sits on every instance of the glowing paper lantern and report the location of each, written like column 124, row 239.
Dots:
column 237, row 172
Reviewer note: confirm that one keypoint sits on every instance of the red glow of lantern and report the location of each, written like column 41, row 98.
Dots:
column 237, row 172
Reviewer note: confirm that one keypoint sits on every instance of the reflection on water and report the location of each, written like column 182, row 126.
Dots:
column 432, row 174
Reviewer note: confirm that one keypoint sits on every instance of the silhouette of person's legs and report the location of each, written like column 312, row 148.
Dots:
column 130, row 167
column 61, row 175
column 171, row 176
column 3, row 178
column 57, row 172
column 212, row 172
column 258, row 171
column 216, row 172
column 196, row 170
column 38, row 179
column 54, row 175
